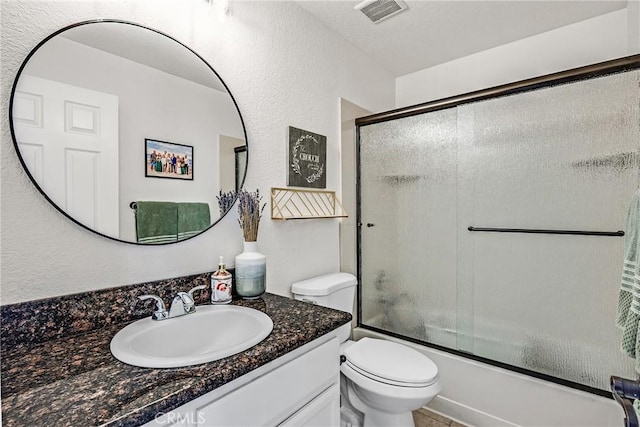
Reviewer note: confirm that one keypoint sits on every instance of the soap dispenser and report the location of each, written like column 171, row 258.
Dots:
column 221, row 285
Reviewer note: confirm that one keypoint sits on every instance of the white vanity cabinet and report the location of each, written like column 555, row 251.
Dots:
column 301, row 388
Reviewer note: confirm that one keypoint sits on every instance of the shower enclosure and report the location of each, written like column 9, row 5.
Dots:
column 490, row 224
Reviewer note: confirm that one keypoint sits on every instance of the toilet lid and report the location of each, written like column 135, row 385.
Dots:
column 391, row 362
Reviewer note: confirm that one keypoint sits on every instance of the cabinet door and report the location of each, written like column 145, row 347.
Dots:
column 272, row 398
column 323, row 411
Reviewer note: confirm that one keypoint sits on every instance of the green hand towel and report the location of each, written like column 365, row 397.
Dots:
column 628, row 311
column 156, row 222
column 192, row 219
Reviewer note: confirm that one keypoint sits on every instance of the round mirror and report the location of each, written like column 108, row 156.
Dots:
column 128, row 132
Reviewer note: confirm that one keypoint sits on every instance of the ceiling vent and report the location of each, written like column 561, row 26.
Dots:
column 379, row 10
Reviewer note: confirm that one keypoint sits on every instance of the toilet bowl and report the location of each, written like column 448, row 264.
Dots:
column 381, row 380
column 386, row 381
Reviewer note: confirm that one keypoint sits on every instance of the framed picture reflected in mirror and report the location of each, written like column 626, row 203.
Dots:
column 168, row 160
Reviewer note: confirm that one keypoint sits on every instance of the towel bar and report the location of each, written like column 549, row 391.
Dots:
column 537, row 231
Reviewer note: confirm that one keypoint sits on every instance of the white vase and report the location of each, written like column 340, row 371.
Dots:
column 251, row 272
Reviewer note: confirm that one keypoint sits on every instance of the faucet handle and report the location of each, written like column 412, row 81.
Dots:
column 182, row 304
column 197, row 288
column 161, row 311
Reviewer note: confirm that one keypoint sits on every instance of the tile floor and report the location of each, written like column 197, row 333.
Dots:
column 425, row 418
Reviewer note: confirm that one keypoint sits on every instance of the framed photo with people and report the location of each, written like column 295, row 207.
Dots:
column 168, row 160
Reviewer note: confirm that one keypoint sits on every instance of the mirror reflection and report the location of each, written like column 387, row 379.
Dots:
column 127, row 132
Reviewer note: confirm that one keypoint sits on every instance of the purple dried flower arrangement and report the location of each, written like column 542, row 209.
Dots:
column 225, row 201
column 249, row 213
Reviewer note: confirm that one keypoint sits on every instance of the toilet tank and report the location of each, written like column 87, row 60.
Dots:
column 335, row 290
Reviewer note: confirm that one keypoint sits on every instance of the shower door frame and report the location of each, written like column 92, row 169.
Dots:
column 627, row 63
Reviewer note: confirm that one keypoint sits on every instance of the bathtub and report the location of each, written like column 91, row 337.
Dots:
column 482, row 395
column 546, row 354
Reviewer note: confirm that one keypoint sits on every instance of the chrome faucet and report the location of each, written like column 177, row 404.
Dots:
column 161, row 312
column 183, row 303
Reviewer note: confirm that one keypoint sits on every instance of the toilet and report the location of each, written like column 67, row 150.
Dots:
column 382, row 380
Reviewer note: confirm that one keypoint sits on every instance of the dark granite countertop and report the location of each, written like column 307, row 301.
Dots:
column 73, row 380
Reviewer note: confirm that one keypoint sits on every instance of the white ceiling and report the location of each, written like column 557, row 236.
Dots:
column 428, row 33
column 145, row 47
column 433, row 32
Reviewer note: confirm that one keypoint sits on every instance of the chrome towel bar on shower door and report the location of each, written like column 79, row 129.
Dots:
column 537, row 231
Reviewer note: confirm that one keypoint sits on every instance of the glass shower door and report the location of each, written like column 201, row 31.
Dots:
column 408, row 232
column 564, row 157
column 559, row 158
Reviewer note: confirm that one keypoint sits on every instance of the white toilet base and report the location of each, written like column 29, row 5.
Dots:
column 349, row 418
column 373, row 418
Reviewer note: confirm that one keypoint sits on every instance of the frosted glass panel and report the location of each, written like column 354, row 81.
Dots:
column 408, row 193
column 563, row 157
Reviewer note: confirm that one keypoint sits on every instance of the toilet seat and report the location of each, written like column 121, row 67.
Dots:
column 387, row 397
column 391, row 363
column 387, row 381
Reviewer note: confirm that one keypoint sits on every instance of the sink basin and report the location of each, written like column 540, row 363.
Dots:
column 211, row 333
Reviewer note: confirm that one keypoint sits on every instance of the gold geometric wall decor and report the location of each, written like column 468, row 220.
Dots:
column 287, row 203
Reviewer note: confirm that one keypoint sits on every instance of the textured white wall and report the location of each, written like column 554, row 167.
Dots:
column 593, row 40
column 283, row 68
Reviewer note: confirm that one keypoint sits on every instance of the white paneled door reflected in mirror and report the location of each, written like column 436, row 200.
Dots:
column 84, row 105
